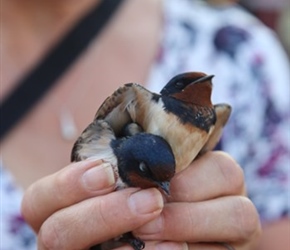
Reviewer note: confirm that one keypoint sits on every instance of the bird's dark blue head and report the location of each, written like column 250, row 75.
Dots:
column 190, row 87
column 145, row 160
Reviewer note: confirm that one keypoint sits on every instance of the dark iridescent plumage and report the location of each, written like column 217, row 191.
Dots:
column 141, row 160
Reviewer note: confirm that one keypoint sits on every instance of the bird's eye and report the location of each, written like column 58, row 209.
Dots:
column 179, row 85
column 143, row 167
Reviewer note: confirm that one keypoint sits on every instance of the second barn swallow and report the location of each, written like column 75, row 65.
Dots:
column 182, row 114
column 142, row 160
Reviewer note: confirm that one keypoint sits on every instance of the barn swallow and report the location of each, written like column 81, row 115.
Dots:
column 141, row 160
column 182, row 114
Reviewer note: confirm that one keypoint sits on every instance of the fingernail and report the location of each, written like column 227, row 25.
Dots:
column 172, row 246
column 99, row 177
column 146, row 201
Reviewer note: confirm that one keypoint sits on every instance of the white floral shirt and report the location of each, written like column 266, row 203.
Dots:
column 251, row 74
column 15, row 234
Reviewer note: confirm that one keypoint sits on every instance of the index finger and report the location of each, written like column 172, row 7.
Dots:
column 225, row 219
column 74, row 183
column 213, row 175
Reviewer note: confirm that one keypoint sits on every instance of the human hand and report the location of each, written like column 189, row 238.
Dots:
column 207, row 205
column 75, row 208
column 208, row 208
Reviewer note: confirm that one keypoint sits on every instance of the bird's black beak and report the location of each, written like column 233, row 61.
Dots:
column 203, row 79
column 165, row 186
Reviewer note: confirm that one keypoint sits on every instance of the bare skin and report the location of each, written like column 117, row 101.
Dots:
column 188, row 219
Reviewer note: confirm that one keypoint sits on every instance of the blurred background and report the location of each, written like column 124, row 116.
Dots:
column 275, row 14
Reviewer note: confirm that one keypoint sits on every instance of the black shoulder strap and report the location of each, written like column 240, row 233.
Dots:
column 44, row 76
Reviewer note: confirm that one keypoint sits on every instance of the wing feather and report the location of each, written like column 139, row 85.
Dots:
column 94, row 142
column 123, row 106
column 223, row 112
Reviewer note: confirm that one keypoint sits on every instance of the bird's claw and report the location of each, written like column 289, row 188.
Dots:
column 137, row 244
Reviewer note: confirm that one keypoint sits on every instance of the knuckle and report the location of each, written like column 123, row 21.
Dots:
column 103, row 218
column 247, row 221
column 64, row 185
column 49, row 235
column 114, row 215
column 109, row 210
column 232, row 174
column 28, row 207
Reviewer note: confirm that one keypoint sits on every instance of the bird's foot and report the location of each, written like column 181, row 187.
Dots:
column 136, row 243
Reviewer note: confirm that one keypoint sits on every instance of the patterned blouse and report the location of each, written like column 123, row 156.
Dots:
column 252, row 74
